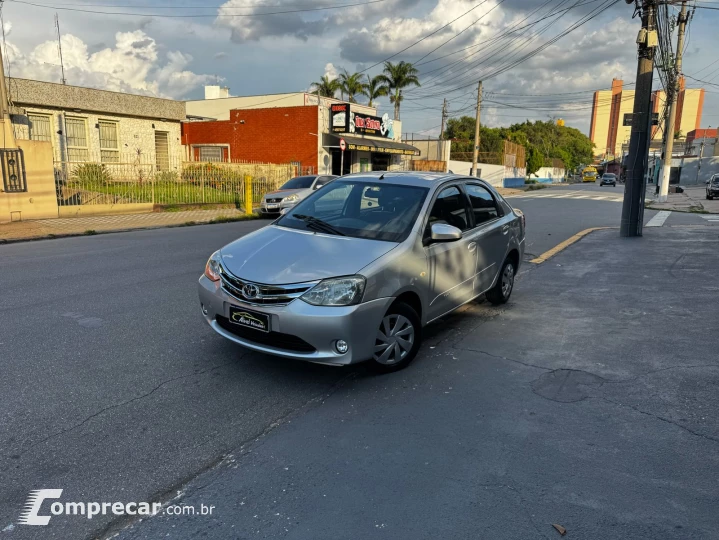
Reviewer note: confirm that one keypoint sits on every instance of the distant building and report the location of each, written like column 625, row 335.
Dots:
column 89, row 125
column 702, row 142
column 612, row 115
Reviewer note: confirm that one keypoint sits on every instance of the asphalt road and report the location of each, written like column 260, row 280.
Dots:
column 113, row 389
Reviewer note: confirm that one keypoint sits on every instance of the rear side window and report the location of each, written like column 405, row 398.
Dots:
column 450, row 207
column 484, row 207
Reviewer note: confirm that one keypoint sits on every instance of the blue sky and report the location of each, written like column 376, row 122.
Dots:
column 175, row 56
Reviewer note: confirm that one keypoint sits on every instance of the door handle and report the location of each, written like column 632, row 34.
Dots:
column 505, row 229
column 472, row 246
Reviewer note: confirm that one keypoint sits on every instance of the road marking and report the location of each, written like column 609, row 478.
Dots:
column 710, row 217
column 564, row 245
column 659, row 219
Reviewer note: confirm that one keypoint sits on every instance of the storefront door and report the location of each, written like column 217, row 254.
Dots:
column 337, row 162
column 380, row 162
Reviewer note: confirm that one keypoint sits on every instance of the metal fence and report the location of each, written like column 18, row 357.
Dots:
column 142, row 179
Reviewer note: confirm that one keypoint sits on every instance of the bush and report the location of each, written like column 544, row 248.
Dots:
column 213, row 176
column 529, row 181
column 92, row 173
column 166, row 176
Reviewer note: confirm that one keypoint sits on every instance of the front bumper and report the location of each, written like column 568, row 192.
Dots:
column 713, row 192
column 275, row 208
column 319, row 326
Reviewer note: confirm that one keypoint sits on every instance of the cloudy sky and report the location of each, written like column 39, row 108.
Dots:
column 173, row 48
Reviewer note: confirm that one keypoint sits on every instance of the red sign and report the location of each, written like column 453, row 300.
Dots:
column 343, row 145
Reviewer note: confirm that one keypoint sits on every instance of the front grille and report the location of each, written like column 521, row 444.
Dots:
column 274, row 200
column 267, row 295
column 279, row 340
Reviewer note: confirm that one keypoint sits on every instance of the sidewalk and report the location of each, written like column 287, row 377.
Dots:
column 49, row 228
column 588, row 401
column 692, row 200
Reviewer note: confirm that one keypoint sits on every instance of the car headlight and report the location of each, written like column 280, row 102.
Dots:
column 346, row 291
column 291, row 198
column 212, row 268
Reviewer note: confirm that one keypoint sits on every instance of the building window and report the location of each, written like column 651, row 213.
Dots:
column 76, row 138
column 162, row 151
column 13, row 170
column 211, row 153
column 109, row 144
column 39, row 127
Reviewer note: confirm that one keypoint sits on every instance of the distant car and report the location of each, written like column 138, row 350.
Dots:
column 292, row 192
column 608, row 179
column 713, row 187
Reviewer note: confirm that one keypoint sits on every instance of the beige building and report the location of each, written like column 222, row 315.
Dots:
column 612, row 110
column 89, row 125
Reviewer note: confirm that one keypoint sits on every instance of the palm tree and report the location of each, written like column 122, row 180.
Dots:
column 351, row 84
column 397, row 77
column 375, row 88
column 326, row 87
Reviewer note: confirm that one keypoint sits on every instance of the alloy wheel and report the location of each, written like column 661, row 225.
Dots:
column 507, row 280
column 394, row 341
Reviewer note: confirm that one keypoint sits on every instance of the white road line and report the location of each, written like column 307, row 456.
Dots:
column 710, row 217
column 659, row 219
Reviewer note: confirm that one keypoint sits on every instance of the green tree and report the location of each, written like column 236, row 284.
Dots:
column 375, row 88
column 351, row 84
column 535, row 160
column 325, row 87
column 398, row 77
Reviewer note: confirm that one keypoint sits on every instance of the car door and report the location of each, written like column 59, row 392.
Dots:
column 451, row 264
column 490, row 232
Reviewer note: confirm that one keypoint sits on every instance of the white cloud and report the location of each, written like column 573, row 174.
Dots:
column 331, row 71
column 132, row 65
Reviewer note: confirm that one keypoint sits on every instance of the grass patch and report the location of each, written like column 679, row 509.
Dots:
column 90, row 232
column 535, row 187
column 189, row 223
column 231, row 219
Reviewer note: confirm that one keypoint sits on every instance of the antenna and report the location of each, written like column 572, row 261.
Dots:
column 59, row 48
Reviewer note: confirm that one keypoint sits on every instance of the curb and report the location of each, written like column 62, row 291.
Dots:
column 564, row 245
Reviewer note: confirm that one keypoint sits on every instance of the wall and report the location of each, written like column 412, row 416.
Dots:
column 220, row 108
column 549, row 175
column 272, row 135
column 40, row 200
column 494, row 174
column 688, row 176
column 431, row 149
column 134, row 134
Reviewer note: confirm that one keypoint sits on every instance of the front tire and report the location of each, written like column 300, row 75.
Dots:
column 502, row 290
column 398, row 339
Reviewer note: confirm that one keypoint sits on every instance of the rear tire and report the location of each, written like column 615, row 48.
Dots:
column 709, row 197
column 502, row 290
column 398, row 339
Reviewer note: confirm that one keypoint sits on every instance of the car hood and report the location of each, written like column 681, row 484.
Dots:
column 275, row 255
column 285, row 193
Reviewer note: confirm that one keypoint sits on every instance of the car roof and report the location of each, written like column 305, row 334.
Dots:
column 406, row 178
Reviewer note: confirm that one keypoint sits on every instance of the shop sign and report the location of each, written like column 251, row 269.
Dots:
column 380, row 150
column 344, row 120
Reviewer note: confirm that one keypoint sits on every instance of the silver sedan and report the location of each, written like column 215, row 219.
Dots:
column 292, row 192
column 355, row 271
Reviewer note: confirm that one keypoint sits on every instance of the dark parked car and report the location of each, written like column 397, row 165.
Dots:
column 608, row 179
column 713, row 187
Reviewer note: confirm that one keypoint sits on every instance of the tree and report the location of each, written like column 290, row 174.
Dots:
column 678, row 134
column 352, row 85
column 375, row 88
column 325, row 87
column 535, row 160
column 398, row 77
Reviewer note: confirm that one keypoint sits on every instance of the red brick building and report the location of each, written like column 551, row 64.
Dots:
column 296, row 128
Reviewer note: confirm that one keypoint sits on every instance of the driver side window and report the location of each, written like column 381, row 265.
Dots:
column 450, row 207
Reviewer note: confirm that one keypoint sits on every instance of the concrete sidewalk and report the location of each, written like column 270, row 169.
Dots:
column 47, row 228
column 692, row 200
column 589, row 401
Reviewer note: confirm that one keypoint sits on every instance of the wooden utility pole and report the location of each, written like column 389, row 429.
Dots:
column 672, row 98
column 441, row 133
column 634, row 191
column 476, row 130
column 59, row 48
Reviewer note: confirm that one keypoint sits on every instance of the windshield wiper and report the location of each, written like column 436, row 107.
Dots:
column 318, row 224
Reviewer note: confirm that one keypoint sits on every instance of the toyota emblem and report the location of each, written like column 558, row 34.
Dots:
column 250, row 291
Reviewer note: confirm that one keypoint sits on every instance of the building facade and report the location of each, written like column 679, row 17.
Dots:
column 297, row 128
column 611, row 126
column 89, row 125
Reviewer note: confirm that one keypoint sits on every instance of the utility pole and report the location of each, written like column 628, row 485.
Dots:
column 59, row 48
column 634, row 191
column 476, row 130
column 672, row 97
column 441, row 133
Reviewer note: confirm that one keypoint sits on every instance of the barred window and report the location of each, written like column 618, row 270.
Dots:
column 109, row 144
column 40, row 129
column 211, row 153
column 76, row 137
column 13, row 170
column 162, row 150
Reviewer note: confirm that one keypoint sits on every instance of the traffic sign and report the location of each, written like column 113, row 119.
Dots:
column 343, row 145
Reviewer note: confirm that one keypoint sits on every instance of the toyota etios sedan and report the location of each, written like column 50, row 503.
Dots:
column 354, row 271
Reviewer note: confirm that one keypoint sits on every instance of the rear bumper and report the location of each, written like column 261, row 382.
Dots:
column 318, row 326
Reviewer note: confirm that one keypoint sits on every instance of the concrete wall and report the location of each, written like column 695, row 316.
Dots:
column 40, row 199
column 549, row 175
column 494, row 174
column 689, row 166
column 430, row 149
column 134, row 134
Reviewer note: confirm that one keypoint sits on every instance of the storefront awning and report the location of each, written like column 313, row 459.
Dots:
column 364, row 144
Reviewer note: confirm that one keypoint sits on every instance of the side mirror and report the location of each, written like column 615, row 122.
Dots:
column 284, row 211
column 441, row 232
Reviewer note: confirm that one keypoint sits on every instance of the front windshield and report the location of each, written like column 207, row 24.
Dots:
column 301, row 182
column 376, row 211
column 609, row 176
